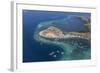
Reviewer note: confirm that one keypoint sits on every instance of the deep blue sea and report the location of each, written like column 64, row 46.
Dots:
column 34, row 51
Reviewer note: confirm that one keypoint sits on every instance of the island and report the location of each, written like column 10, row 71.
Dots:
column 54, row 32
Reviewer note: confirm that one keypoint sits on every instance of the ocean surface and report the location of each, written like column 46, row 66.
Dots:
column 38, row 49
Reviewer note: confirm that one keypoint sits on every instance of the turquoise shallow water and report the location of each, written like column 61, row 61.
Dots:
column 67, row 49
